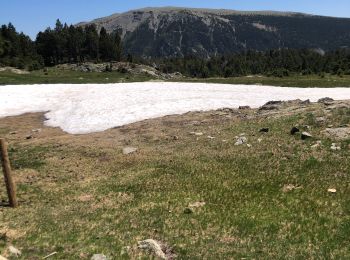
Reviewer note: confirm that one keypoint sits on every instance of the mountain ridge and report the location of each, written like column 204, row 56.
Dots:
column 180, row 31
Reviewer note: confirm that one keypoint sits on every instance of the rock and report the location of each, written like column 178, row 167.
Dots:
column 188, row 211
column 36, row 130
column 271, row 105
column 241, row 140
column 13, row 133
column 331, row 190
column 243, row 107
column 2, row 258
column 175, row 138
column 249, row 145
column 264, row 130
column 152, row 246
column 294, row 130
column 305, row 102
column 325, row 100
column 260, row 140
column 335, row 147
column 341, row 133
column 28, row 137
column 196, row 133
column 316, row 145
column 129, row 150
column 288, row 187
column 125, row 250
column 99, row 257
column 210, row 137
column 197, row 204
column 14, row 251
column 320, row 120
column 305, row 135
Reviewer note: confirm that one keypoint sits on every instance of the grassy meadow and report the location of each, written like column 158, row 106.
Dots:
column 55, row 76
column 79, row 195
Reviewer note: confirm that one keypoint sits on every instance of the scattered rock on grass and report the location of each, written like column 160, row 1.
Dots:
column 289, row 187
column 294, row 130
column 341, row 133
column 316, row 145
column 241, row 140
column 335, row 147
column 14, row 251
column 264, row 130
column 243, row 107
column 197, row 204
column 99, row 257
column 129, row 150
column 325, row 100
column 152, row 246
column 305, row 135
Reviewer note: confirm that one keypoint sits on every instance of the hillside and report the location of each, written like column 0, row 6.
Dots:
column 169, row 31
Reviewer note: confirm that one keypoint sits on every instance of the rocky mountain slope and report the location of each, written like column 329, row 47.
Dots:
column 174, row 31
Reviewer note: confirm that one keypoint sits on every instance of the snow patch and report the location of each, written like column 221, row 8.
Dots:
column 86, row 108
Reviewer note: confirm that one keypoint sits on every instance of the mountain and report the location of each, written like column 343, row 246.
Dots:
column 174, row 31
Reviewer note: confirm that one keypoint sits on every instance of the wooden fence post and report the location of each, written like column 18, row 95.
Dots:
column 6, row 168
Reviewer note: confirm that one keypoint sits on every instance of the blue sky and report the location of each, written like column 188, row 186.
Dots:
column 31, row 16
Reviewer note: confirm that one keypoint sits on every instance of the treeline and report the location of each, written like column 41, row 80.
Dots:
column 17, row 49
column 277, row 63
column 70, row 44
column 62, row 44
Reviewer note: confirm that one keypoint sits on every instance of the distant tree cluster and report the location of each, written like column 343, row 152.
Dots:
column 63, row 44
column 70, row 44
column 277, row 63
column 17, row 49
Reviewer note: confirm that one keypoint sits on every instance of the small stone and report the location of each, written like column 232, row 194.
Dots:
column 99, row 257
column 260, row 140
column 210, row 137
column 152, row 246
column 175, row 137
column 28, row 137
column 125, row 250
column 332, row 190
column 325, row 100
column 320, row 120
column 36, row 130
column 13, row 133
column 288, row 187
column 294, row 130
column 129, row 150
column 305, row 135
column 14, row 251
column 335, row 147
column 316, row 145
column 264, row 130
column 196, row 133
column 197, row 204
column 249, row 145
column 241, row 140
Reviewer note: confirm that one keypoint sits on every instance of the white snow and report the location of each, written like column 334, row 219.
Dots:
column 81, row 109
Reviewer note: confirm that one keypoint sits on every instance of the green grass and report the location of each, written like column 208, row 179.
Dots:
column 291, row 81
column 92, row 199
column 54, row 76
column 74, row 77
